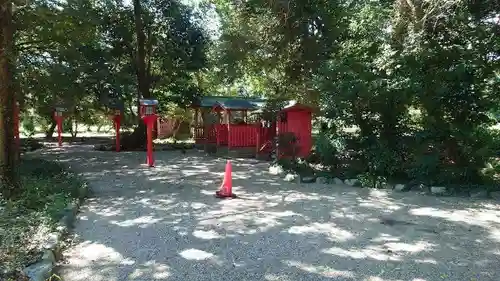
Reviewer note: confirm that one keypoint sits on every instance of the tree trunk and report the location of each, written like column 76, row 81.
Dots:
column 138, row 138
column 141, row 51
column 50, row 131
column 74, row 129
column 8, row 173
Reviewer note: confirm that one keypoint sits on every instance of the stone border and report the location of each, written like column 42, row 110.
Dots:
column 52, row 247
column 277, row 170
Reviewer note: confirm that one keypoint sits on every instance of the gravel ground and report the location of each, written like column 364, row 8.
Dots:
column 163, row 223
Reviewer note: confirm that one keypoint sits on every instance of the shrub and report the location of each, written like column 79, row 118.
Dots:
column 47, row 188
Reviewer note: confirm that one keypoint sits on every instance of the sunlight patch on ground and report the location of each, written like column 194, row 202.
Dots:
column 384, row 237
column 378, row 199
column 419, row 246
column 195, row 254
column 89, row 253
column 143, row 221
column 321, row 270
column 454, row 216
column 107, row 212
column 428, row 261
column 371, row 252
column 328, row 229
column 495, row 234
column 150, row 268
column 275, row 277
column 206, row 235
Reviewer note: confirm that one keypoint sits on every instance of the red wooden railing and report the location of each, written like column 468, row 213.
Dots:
column 239, row 135
column 242, row 135
column 199, row 138
column 221, row 130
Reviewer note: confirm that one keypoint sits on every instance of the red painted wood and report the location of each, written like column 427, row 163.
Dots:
column 243, row 135
column 299, row 122
column 222, row 133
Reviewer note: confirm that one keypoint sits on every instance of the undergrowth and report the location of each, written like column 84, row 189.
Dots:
column 47, row 188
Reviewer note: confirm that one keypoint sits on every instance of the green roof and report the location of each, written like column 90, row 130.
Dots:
column 231, row 102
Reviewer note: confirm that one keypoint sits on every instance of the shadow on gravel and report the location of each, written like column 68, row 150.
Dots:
column 165, row 224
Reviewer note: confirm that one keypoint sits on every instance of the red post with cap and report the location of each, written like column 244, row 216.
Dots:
column 148, row 115
column 117, row 118
column 59, row 118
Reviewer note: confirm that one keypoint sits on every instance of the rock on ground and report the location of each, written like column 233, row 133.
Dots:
column 352, row 182
column 290, row 177
column 40, row 271
column 276, row 170
column 338, row 181
column 322, row 180
column 438, row 190
column 400, row 187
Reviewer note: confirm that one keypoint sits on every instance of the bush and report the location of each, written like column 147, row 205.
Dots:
column 47, row 188
column 28, row 125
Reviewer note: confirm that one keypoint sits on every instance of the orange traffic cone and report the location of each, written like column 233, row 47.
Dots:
column 226, row 189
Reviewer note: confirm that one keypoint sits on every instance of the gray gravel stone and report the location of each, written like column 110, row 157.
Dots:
column 479, row 194
column 276, row 170
column 495, row 195
column 52, row 241
column 322, row 180
column 48, row 255
column 438, row 190
column 308, row 179
column 352, row 182
column 338, row 181
column 400, row 187
column 40, row 271
column 290, row 177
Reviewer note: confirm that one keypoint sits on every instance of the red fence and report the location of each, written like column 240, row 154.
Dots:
column 222, row 134
column 243, row 135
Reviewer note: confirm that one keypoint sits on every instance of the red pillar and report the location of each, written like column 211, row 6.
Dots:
column 150, row 159
column 59, row 131
column 117, row 129
column 228, row 114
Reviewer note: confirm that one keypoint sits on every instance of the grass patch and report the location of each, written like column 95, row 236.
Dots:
column 47, row 188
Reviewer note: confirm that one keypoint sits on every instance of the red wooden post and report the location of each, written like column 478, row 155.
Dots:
column 59, row 131
column 148, row 112
column 150, row 159
column 228, row 114
column 59, row 117
column 117, row 120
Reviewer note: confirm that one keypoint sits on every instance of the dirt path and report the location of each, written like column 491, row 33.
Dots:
column 164, row 224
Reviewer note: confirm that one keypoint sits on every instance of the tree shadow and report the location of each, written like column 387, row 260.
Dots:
column 164, row 223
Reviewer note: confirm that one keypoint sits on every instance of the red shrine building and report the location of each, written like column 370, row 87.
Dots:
column 234, row 123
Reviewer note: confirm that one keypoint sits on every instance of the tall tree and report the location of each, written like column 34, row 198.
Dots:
column 142, row 77
column 8, row 152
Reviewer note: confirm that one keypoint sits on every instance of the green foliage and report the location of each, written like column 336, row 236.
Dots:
column 28, row 126
column 328, row 150
column 82, row 55
column 47, row 188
